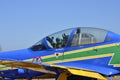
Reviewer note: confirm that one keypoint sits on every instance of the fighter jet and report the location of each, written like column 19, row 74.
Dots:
column 81, row 53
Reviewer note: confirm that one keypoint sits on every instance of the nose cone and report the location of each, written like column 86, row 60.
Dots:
column 15, row 55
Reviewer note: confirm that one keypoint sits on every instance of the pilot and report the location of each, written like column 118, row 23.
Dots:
column 58, row 42
column 51, row 40
column 65, row 39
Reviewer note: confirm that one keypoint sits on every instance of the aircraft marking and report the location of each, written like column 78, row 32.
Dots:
column 86, row 53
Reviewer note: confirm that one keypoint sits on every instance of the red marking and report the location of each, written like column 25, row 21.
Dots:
column 57, row 54
column 33, row 60
column 37, row 57
column 40, row 59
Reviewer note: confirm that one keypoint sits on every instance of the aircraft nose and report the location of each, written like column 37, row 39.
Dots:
column 14, row 55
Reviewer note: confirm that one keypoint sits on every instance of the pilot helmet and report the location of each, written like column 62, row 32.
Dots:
column 58, row 40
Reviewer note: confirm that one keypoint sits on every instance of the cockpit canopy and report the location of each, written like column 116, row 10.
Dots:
column 73, row 37
column 83, row 36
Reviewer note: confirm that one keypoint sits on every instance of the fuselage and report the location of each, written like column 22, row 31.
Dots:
column 86, row 46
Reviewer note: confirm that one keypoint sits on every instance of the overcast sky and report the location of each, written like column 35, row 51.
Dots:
column 24, row 22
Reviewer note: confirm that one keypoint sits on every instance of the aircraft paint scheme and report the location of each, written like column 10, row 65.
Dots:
column 69, row 53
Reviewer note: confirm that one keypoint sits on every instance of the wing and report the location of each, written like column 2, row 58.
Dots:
column 64, row 69
column 95, row 68
column 23, row 73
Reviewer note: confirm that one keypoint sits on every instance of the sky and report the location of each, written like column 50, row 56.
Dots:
column 25, row 22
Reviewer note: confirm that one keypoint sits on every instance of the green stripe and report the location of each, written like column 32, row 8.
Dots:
column 94, row 52
column 3, row 66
